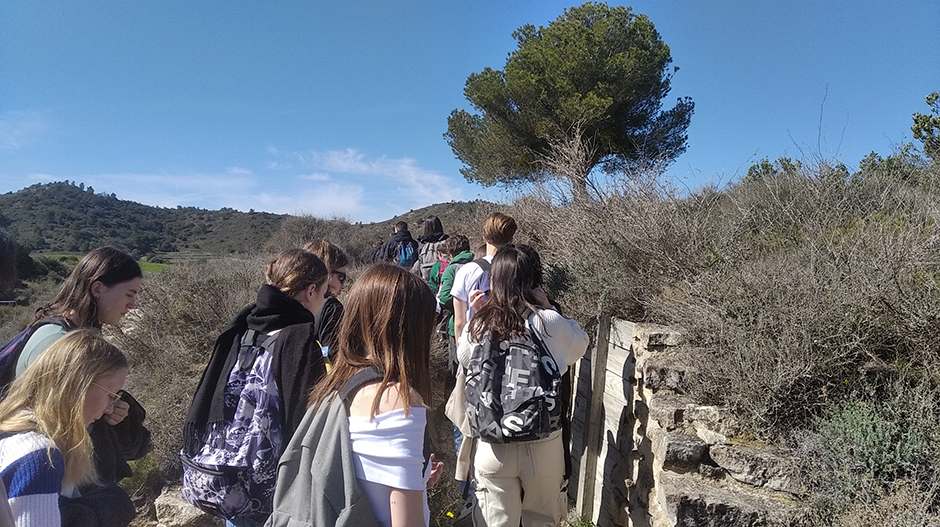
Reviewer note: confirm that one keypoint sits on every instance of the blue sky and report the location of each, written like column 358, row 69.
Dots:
column 339, row 108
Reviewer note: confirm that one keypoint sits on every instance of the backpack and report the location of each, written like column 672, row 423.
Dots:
column 427, row 257
column 405, row 254
column 322, row 440
column 440, row 270
column 513, row 389
column 10, row 352
column 232, row 475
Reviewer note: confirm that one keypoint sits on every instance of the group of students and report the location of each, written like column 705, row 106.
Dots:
column 67, row 428
column 318, row 346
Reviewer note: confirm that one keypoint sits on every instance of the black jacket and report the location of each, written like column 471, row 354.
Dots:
column 296, row 360
column 327, row 323
column 386, row 251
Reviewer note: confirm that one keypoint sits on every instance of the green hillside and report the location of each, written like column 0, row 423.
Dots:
column 64, row 217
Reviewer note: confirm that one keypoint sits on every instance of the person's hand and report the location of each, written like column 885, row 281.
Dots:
column 541, row 298
column 437, row 468
column 477, row 299
column 118, row 413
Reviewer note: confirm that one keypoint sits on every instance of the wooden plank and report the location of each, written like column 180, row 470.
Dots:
column 617, row 389
column 621, row 333
column 589, row 486
column 617, row 358
column 614, row 417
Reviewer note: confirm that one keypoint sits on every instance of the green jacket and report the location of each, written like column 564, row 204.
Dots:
column 447, row 283
column 434, row 279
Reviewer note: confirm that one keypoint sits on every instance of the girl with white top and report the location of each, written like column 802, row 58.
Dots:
column 45, row 449
column 521, row 481
column 387, row 325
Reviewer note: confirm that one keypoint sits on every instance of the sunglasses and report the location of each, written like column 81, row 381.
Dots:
column 115, row 397
column 341, row 276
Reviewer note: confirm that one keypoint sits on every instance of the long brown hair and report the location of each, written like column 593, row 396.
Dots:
column 514, row 274
column 74, row 301
column 387, row 325
column 53, row 391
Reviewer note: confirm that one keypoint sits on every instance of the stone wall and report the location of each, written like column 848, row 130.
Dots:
column 646, row 455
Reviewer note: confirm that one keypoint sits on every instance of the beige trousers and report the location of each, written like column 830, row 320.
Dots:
column 520, row 482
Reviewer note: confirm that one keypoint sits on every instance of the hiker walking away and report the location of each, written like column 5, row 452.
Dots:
column 498, row 230
column 101, row 289
column 428, row 245
column 458, row 250
column 45, row 450
column 253, row 393
column 387, row 329
column 518, row 317
column 326, row 321
column 399, row 249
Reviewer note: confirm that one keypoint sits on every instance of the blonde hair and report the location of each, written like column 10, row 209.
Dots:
column 498, row 229
column 49, row 398
column 332, row 256
column 294, row 269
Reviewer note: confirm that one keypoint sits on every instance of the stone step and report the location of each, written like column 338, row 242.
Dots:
column 688, row 499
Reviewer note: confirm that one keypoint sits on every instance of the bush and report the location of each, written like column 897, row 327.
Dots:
column 811, row 297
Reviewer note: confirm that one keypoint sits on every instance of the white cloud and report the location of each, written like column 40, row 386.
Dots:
column 19, row 129
column 316, row 176
column 417, row 185
column 235, row 188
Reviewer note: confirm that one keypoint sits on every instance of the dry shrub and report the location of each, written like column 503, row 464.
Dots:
column 612, row 254
column 800, row 292
column 898, row 505
column 169, row 339
column 354, row 239
column 813, row 279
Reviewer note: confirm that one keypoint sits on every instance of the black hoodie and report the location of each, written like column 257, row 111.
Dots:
column 386, row 251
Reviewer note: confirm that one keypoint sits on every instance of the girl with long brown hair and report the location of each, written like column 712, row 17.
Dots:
column 509, row 490
column 387, row 326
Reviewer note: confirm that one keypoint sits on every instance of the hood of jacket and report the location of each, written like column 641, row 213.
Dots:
column 433, row 237
column 403, row 235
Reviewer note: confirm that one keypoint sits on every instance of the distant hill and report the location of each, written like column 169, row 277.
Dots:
column 64, row 217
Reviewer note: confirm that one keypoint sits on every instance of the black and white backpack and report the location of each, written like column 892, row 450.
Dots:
column 513, row 389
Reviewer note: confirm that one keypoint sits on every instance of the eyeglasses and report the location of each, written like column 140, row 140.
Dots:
column 115, row 397
column 341, row 276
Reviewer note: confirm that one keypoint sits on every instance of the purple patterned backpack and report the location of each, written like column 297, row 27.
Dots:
column 233, row 474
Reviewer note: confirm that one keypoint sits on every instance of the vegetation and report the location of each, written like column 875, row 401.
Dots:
column 65, row 217
column 926, row 127
column 811, row 292
column 584, row 92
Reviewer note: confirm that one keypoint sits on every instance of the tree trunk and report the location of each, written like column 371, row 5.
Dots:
column 579, row 191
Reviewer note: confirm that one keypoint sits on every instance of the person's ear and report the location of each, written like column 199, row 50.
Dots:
column 310, row 291
column 96, row 288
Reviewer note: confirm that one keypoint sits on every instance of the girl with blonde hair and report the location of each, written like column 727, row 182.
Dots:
column 45, row 449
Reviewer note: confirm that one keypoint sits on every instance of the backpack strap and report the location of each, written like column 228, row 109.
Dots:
column 250, row 348
column 483, row 263
column 358, row 380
